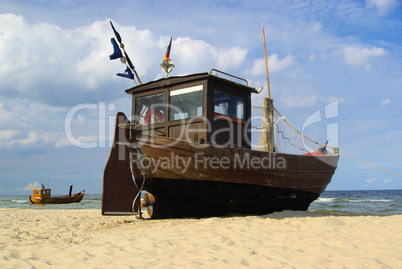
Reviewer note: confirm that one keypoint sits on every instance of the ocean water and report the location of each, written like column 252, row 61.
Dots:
column 373, row 202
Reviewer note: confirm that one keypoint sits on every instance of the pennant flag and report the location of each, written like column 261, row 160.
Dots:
column 129, row 61
column 116, row 33
column 127, row 74
column 117, row 52
column 167, row 55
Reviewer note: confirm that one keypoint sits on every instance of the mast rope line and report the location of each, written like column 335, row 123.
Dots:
column 318, row 143
column 370, row 165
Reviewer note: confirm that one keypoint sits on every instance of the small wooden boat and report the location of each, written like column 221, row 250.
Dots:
column 43, row 196
column 188, row 145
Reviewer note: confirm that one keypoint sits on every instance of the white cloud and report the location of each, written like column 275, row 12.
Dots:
column 31, row 139
column 81, row 118
column 299, row 100
column 360, row 57
column 62, row 142
column 385, row 102
column 383, row 6
column 29, row 125
column 6, row 134
column 87, row 139
column 31, row 186
column 274, row 64
column 378, row 183
column 192, row 56
column 5, row 115
column 370, row 182
column 43, row 62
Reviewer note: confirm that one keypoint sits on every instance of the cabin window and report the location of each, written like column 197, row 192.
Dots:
column 150, row 109
column 186, row 103
column 229, row 105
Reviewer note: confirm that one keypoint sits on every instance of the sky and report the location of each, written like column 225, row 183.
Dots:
column 59, row 93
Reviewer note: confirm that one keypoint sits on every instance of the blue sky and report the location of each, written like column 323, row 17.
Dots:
column 54, row 70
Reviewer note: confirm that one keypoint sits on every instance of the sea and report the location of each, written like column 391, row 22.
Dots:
column 348, row 203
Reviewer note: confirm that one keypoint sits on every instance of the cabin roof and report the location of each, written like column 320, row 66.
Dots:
column 171, row 81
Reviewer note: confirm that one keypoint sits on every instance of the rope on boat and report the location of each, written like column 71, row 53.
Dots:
column 136, row 197
column 308, row 138
column 318, row 143
column 139, row 157
column 370, row 165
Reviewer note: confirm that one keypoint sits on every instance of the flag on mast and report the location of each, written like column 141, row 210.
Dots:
column 167, row 64
column 167, row 54
column 116, row 50
column 128, row 73
column 116, row 33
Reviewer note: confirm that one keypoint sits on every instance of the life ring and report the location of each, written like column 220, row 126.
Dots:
column 154, row 112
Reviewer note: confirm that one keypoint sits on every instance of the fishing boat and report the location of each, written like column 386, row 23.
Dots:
column 188, row 146
column 43, row 196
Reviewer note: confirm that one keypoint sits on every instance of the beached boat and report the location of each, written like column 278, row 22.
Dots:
column 44, row 196
column 188, row 145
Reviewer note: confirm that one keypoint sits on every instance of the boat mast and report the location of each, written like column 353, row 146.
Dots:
column 267, row 140
column 266, row 61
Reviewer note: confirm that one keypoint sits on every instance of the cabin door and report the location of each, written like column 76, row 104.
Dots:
column 228, row 120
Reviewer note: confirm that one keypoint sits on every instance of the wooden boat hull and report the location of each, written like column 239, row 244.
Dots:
column 189, row 180
column 74, row 198
column 187, row 198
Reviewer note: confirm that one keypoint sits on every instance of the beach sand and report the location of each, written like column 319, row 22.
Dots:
column 86, row 239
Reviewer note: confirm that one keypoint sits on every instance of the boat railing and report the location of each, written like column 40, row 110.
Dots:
column 227, row 74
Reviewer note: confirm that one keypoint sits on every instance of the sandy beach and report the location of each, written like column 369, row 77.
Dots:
column 86, row 239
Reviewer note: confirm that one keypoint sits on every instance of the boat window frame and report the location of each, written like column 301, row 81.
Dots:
column 138, row 118
column 180, row 91
column 227, row 114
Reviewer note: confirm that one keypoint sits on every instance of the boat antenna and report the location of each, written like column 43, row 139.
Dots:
column 167, row 64
column 266, row 61
column 128, row 73
column 224, row 59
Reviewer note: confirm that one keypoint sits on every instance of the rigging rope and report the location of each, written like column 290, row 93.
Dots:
column 138, row 158
column 370, row 165
column 318, row 143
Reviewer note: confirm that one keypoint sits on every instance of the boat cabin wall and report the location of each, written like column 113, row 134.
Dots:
column 176, row 111
column 202, row 111
column 229, row 111
column 41, row 193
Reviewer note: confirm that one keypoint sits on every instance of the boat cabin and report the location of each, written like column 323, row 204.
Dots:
column 202, row 108
column 41, row 193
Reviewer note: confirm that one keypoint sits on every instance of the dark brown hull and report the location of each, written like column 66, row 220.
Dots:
column 188, row 198
column 74, row 198
column 280, row 182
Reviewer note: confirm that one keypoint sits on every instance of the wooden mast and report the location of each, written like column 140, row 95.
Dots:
column 267, row 140
column 266, row 61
